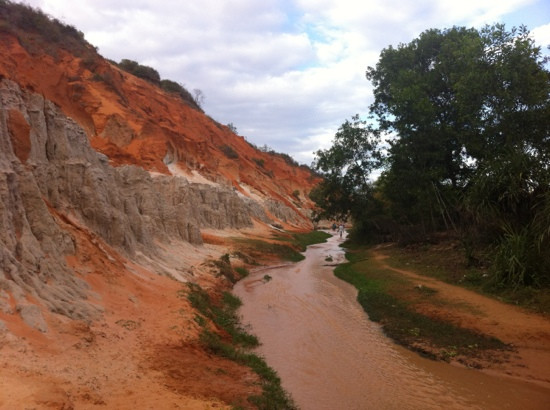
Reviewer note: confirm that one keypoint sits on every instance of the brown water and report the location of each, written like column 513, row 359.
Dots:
column 330, row 356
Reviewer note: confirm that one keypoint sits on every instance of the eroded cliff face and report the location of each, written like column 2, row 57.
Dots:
column 134, row 122
column 113, row 194
column 54, row 183
column 33, row 246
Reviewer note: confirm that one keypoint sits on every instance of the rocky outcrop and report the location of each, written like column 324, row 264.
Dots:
column 53, row 182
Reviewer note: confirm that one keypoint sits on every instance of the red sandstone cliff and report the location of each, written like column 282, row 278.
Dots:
column 135, row 122
column 113, row 194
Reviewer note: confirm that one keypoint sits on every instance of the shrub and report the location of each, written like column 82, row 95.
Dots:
column 141, row 71
column 38, row 33
column 516, row 260
column 243, row 272
column 229, row 152
column 232, row 128
column 259, row 161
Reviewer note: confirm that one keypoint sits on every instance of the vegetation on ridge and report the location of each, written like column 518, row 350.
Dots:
column 151, row 75
column 38, row 33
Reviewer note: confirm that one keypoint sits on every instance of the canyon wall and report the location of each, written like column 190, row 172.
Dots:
column 53, row 184
column 100, row 169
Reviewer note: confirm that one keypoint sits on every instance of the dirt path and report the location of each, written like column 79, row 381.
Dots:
column 527, row 332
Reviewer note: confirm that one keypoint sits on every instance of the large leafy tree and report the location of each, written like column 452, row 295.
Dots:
column 427, row 93
column 462, row 103
column 509, row 193
column 469, row 115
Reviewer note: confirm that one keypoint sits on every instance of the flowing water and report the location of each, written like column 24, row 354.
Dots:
column 330, row 356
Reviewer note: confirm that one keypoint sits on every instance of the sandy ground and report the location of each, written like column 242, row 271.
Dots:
column 142, row 354
column 527, row 333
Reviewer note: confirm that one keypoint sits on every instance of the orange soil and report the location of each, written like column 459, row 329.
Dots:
column 528, row 333
column 143, row 353
column 135, row 122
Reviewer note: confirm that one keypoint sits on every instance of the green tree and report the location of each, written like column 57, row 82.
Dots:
column 466, row 106
column 514, row 95
column 347, row 190
column 469, row 115
column 508, row 195
column 422, row 95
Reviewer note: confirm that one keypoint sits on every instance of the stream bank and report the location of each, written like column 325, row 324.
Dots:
column 329, row 355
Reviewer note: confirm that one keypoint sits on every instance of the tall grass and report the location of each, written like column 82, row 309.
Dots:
column 516, row 259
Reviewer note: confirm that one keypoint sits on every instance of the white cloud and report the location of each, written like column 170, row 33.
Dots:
column 541, row 35
column 286, row 73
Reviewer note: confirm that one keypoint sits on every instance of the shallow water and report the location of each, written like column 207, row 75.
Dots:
column 330, row 356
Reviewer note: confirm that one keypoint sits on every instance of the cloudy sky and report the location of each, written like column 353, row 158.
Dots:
column 285, row 73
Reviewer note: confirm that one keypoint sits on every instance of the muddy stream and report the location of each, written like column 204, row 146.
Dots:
column 330, row 356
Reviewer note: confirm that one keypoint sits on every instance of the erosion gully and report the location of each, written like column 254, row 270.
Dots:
column 330, row 356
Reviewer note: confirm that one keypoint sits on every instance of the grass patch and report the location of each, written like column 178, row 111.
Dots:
column 389, row 299
column 234, row 346
column 443, row 262
column 283, row 246
column 303, row 240
column 242, row 271
column 446, row 261
column 258, row 249
column 223, row 313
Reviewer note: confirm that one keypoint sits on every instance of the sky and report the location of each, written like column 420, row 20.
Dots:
column 285, row 73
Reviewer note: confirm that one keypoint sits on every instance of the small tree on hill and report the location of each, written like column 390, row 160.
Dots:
column 199, row 97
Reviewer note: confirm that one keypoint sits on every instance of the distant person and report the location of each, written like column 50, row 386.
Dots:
column 334, row 226
column 341, row 229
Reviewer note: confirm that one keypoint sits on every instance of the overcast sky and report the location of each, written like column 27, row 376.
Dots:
column 286, row 73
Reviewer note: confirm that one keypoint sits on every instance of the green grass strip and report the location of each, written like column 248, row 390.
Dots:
column 224, row 315
column 402, row 323
column 303, row 240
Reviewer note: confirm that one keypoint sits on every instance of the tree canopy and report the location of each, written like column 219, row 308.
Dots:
column 467, row 116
